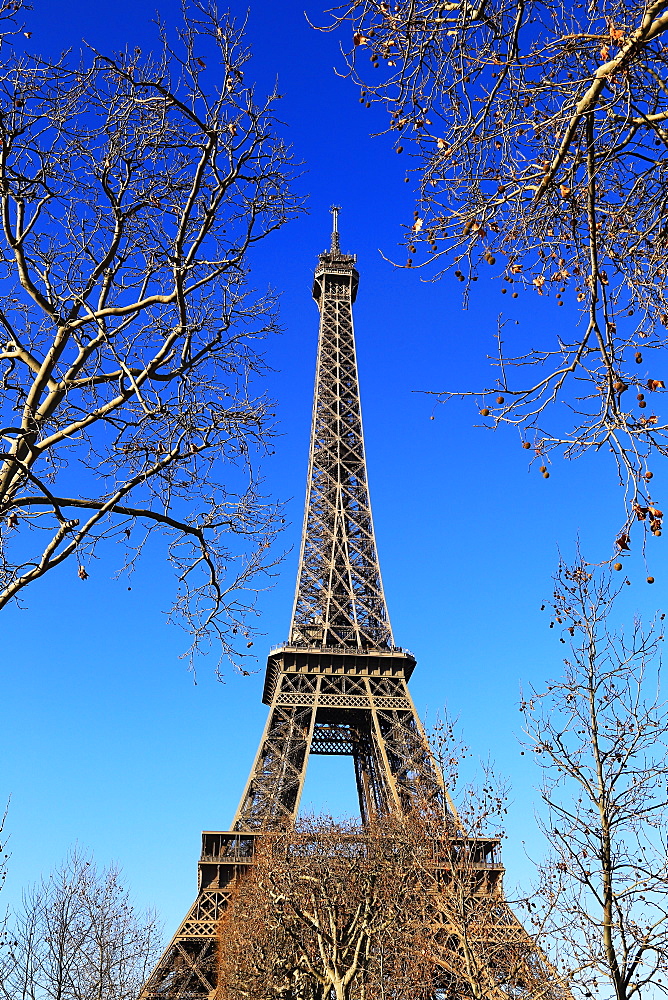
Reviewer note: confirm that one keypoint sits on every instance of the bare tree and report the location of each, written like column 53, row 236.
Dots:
column 320, row 914
column 404, row 908
column 132, row 190
column 477, row 944
column 599, row 733
column 11, row 12
column 539, row 145
column 3, row 875
column 78, row 937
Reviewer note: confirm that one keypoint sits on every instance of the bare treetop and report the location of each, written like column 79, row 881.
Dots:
column 133, row 188
column 77, row 935
column 599, row 734
column 539, row 149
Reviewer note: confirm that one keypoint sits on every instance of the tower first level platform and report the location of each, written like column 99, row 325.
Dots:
column 333, row 661
column 338, row 700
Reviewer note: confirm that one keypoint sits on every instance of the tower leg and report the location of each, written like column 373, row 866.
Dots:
column 271, row 798
column 187, row 968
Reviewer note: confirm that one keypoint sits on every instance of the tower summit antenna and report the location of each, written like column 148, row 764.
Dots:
column 335, row 247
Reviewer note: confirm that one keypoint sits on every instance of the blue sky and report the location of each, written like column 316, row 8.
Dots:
column 105, row 739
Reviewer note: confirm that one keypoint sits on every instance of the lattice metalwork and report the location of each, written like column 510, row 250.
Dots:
column 187, row 969
column 370, row 718
column 339, row 599
column 478, row 945
column 339, row 686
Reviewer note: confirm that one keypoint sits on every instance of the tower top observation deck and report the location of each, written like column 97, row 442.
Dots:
column 335, row 263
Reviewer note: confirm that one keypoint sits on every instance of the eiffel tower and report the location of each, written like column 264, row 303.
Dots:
column 339, row 684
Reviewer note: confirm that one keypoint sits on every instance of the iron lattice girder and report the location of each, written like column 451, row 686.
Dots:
column 339, row 599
